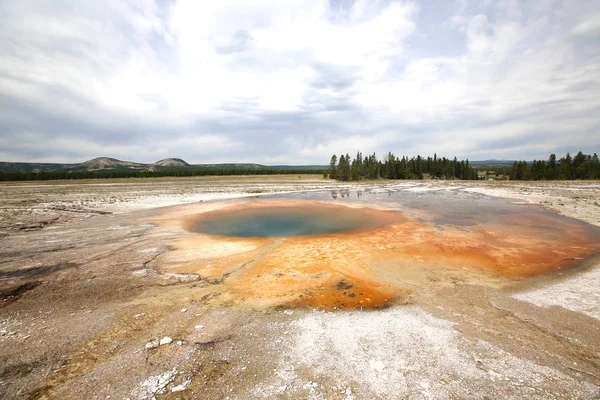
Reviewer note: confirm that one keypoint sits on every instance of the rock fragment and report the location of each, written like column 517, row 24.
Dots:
column 165, row 340
column 183, row 386
column 152, row 345
column 155, row 343
column 154, row 385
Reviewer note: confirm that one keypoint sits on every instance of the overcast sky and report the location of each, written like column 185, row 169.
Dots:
column 292, row 82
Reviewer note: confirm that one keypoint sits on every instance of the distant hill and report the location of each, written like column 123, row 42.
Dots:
column 492, row 161
column 33, row 167
column 108, row 164
column 96, row 164
column 102, row 163
column 307, row 167
column 491, row 164
column 171, row 162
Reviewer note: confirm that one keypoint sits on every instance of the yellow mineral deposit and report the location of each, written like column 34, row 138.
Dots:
column 387, row 262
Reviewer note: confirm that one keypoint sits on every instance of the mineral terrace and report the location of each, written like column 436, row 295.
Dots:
column 454, row 290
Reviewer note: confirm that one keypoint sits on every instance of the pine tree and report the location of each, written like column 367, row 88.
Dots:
column 552, row 170
column 566, row 167
column 579, row 166
column 332, row 167
column 340, row 167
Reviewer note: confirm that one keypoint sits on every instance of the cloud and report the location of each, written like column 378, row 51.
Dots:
column 292, row 82
column 589, row 25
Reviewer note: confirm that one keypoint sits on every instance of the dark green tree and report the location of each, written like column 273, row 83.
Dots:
column 552, row 170
column 333, row 167
column 566, row 167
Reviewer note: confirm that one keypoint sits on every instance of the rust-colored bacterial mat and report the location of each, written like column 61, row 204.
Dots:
column 367, row 251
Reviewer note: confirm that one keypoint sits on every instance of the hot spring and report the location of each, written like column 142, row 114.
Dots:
column 288, row 221
column 345, row 249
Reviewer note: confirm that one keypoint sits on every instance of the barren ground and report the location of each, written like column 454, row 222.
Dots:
column 91, row 279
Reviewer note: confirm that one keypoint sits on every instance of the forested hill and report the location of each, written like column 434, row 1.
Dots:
column 107, row 164
column 581, row 166
column 106, row 167
column 392, row 167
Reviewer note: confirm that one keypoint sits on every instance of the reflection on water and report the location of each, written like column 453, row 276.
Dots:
column 456, row 208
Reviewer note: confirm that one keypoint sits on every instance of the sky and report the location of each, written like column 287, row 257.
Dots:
column 293, row 82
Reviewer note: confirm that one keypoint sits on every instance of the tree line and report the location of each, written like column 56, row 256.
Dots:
column 392, row 167
column 30, row 176
column 582, row 166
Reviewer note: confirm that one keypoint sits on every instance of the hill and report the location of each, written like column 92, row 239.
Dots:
column 171, row 162
column 307, row 167
column 107, row 167
column 491, row 164
column 102, row 163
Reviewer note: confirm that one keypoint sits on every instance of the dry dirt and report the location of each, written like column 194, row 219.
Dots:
column 94, row 274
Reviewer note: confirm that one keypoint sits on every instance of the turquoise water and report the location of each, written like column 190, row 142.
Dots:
column 283, row 222
column 443, row 209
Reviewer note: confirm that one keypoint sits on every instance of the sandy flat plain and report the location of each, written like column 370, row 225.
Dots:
column 104, row 294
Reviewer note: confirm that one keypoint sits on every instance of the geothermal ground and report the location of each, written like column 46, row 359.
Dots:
column 110, row 289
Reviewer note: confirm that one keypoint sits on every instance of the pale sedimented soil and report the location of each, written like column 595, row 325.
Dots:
column 86, row 293
column 44, row 202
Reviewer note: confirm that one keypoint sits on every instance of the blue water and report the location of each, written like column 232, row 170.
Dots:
column 276, row 223
column 439, row 208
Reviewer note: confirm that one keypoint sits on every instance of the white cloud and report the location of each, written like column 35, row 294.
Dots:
column 291, row 81
column 589, row 25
